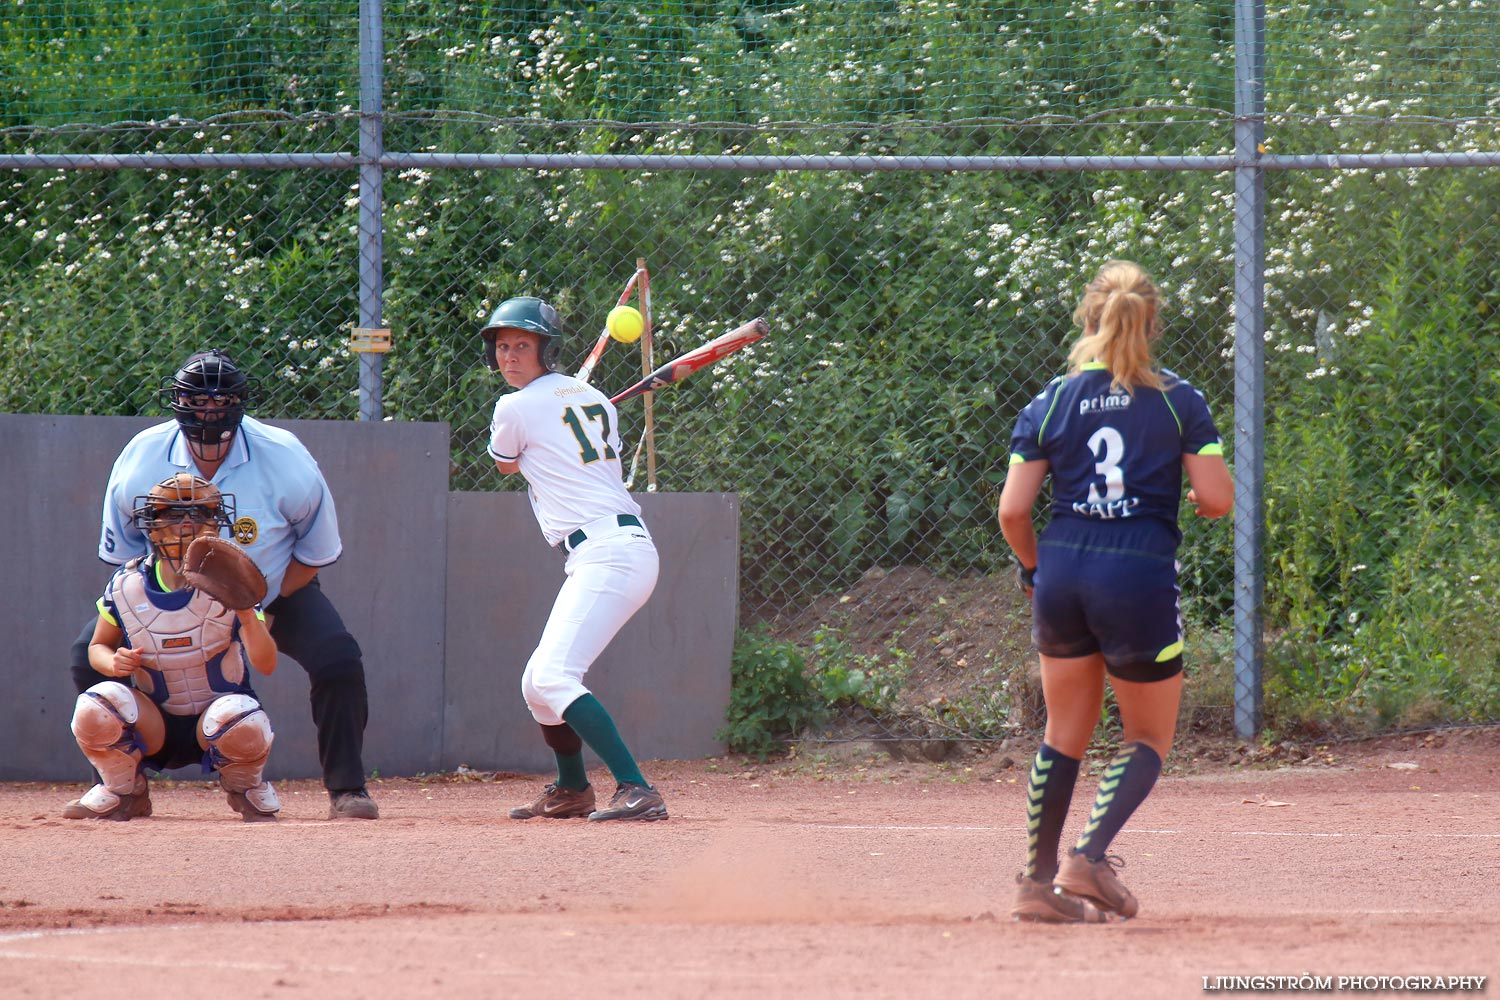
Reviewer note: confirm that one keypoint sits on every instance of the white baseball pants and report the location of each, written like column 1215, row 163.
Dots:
column 609, row 579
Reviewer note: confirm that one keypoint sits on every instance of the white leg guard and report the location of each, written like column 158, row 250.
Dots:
column 238, row 735
column 104, row 719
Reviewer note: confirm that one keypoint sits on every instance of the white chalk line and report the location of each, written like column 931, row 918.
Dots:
column 1373, row 836
column 116, row 960
column 940, row 828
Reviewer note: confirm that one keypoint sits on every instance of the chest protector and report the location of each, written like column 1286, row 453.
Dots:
column 189, row 656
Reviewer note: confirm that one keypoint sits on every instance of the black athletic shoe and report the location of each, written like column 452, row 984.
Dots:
column 634, row 802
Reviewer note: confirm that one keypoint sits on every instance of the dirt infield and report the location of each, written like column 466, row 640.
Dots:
column 861, row 878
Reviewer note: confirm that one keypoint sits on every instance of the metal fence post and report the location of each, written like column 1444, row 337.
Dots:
column 1249, row 363
column 371, row 194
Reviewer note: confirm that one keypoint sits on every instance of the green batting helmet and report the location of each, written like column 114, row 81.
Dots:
column 529, row 314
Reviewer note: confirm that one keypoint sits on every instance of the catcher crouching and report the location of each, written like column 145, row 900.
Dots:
column 177, row 633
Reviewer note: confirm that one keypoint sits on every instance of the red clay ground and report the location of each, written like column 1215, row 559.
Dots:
column 811, row 878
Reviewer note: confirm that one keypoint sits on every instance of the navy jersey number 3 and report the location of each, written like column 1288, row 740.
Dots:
column 1115, row 454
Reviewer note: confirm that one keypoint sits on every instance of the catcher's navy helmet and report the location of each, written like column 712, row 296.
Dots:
column 208, row 395
column 524, row 313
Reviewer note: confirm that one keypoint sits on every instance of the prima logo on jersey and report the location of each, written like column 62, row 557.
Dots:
column 1105, row 404
column 246, row 531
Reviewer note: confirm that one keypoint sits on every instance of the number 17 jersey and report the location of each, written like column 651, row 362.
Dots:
column 1115, row 456
column 564, row 435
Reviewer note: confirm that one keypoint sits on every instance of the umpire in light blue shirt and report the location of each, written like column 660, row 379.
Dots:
column 286, row 521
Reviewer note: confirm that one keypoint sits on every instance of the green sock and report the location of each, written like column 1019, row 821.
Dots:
column 593, row 724
column 571, row 773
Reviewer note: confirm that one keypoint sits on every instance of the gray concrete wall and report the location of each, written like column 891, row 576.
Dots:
column 665, row 678
column 443, row 671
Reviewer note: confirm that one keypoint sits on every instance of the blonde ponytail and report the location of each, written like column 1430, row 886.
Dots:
column 1118, row 317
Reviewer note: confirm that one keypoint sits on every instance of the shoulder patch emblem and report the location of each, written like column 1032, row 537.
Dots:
column 246, row 531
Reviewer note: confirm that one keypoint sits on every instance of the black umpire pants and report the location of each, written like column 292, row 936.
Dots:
column 307, row 628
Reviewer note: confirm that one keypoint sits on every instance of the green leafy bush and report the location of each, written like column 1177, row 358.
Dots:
column 844, row 676
column 772, row 696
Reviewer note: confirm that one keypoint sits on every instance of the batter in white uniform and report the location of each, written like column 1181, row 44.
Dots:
column 562, row 435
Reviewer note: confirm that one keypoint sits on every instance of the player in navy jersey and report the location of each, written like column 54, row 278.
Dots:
column 1116, row 433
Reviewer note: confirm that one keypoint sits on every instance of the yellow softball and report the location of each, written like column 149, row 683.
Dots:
column 625, row 324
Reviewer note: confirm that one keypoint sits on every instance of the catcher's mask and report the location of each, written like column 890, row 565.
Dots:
column 208, row 395
column 529, row 314
column 179, row 509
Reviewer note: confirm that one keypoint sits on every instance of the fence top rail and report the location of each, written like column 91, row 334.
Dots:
column 180, row 161
column 739, row 163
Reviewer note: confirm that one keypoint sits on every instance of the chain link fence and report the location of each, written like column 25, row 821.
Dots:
column 912, row 193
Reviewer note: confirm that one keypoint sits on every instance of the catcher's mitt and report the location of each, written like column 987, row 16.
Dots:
column 225, row 572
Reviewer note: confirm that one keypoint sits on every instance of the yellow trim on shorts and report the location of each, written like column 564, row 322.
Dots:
column 1173, row 650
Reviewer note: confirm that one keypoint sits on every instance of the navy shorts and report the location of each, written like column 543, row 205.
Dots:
column 180, row 748
column 1109, row 589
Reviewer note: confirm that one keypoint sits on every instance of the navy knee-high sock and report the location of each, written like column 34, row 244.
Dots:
column 1048, row 794
column 1127, row 781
